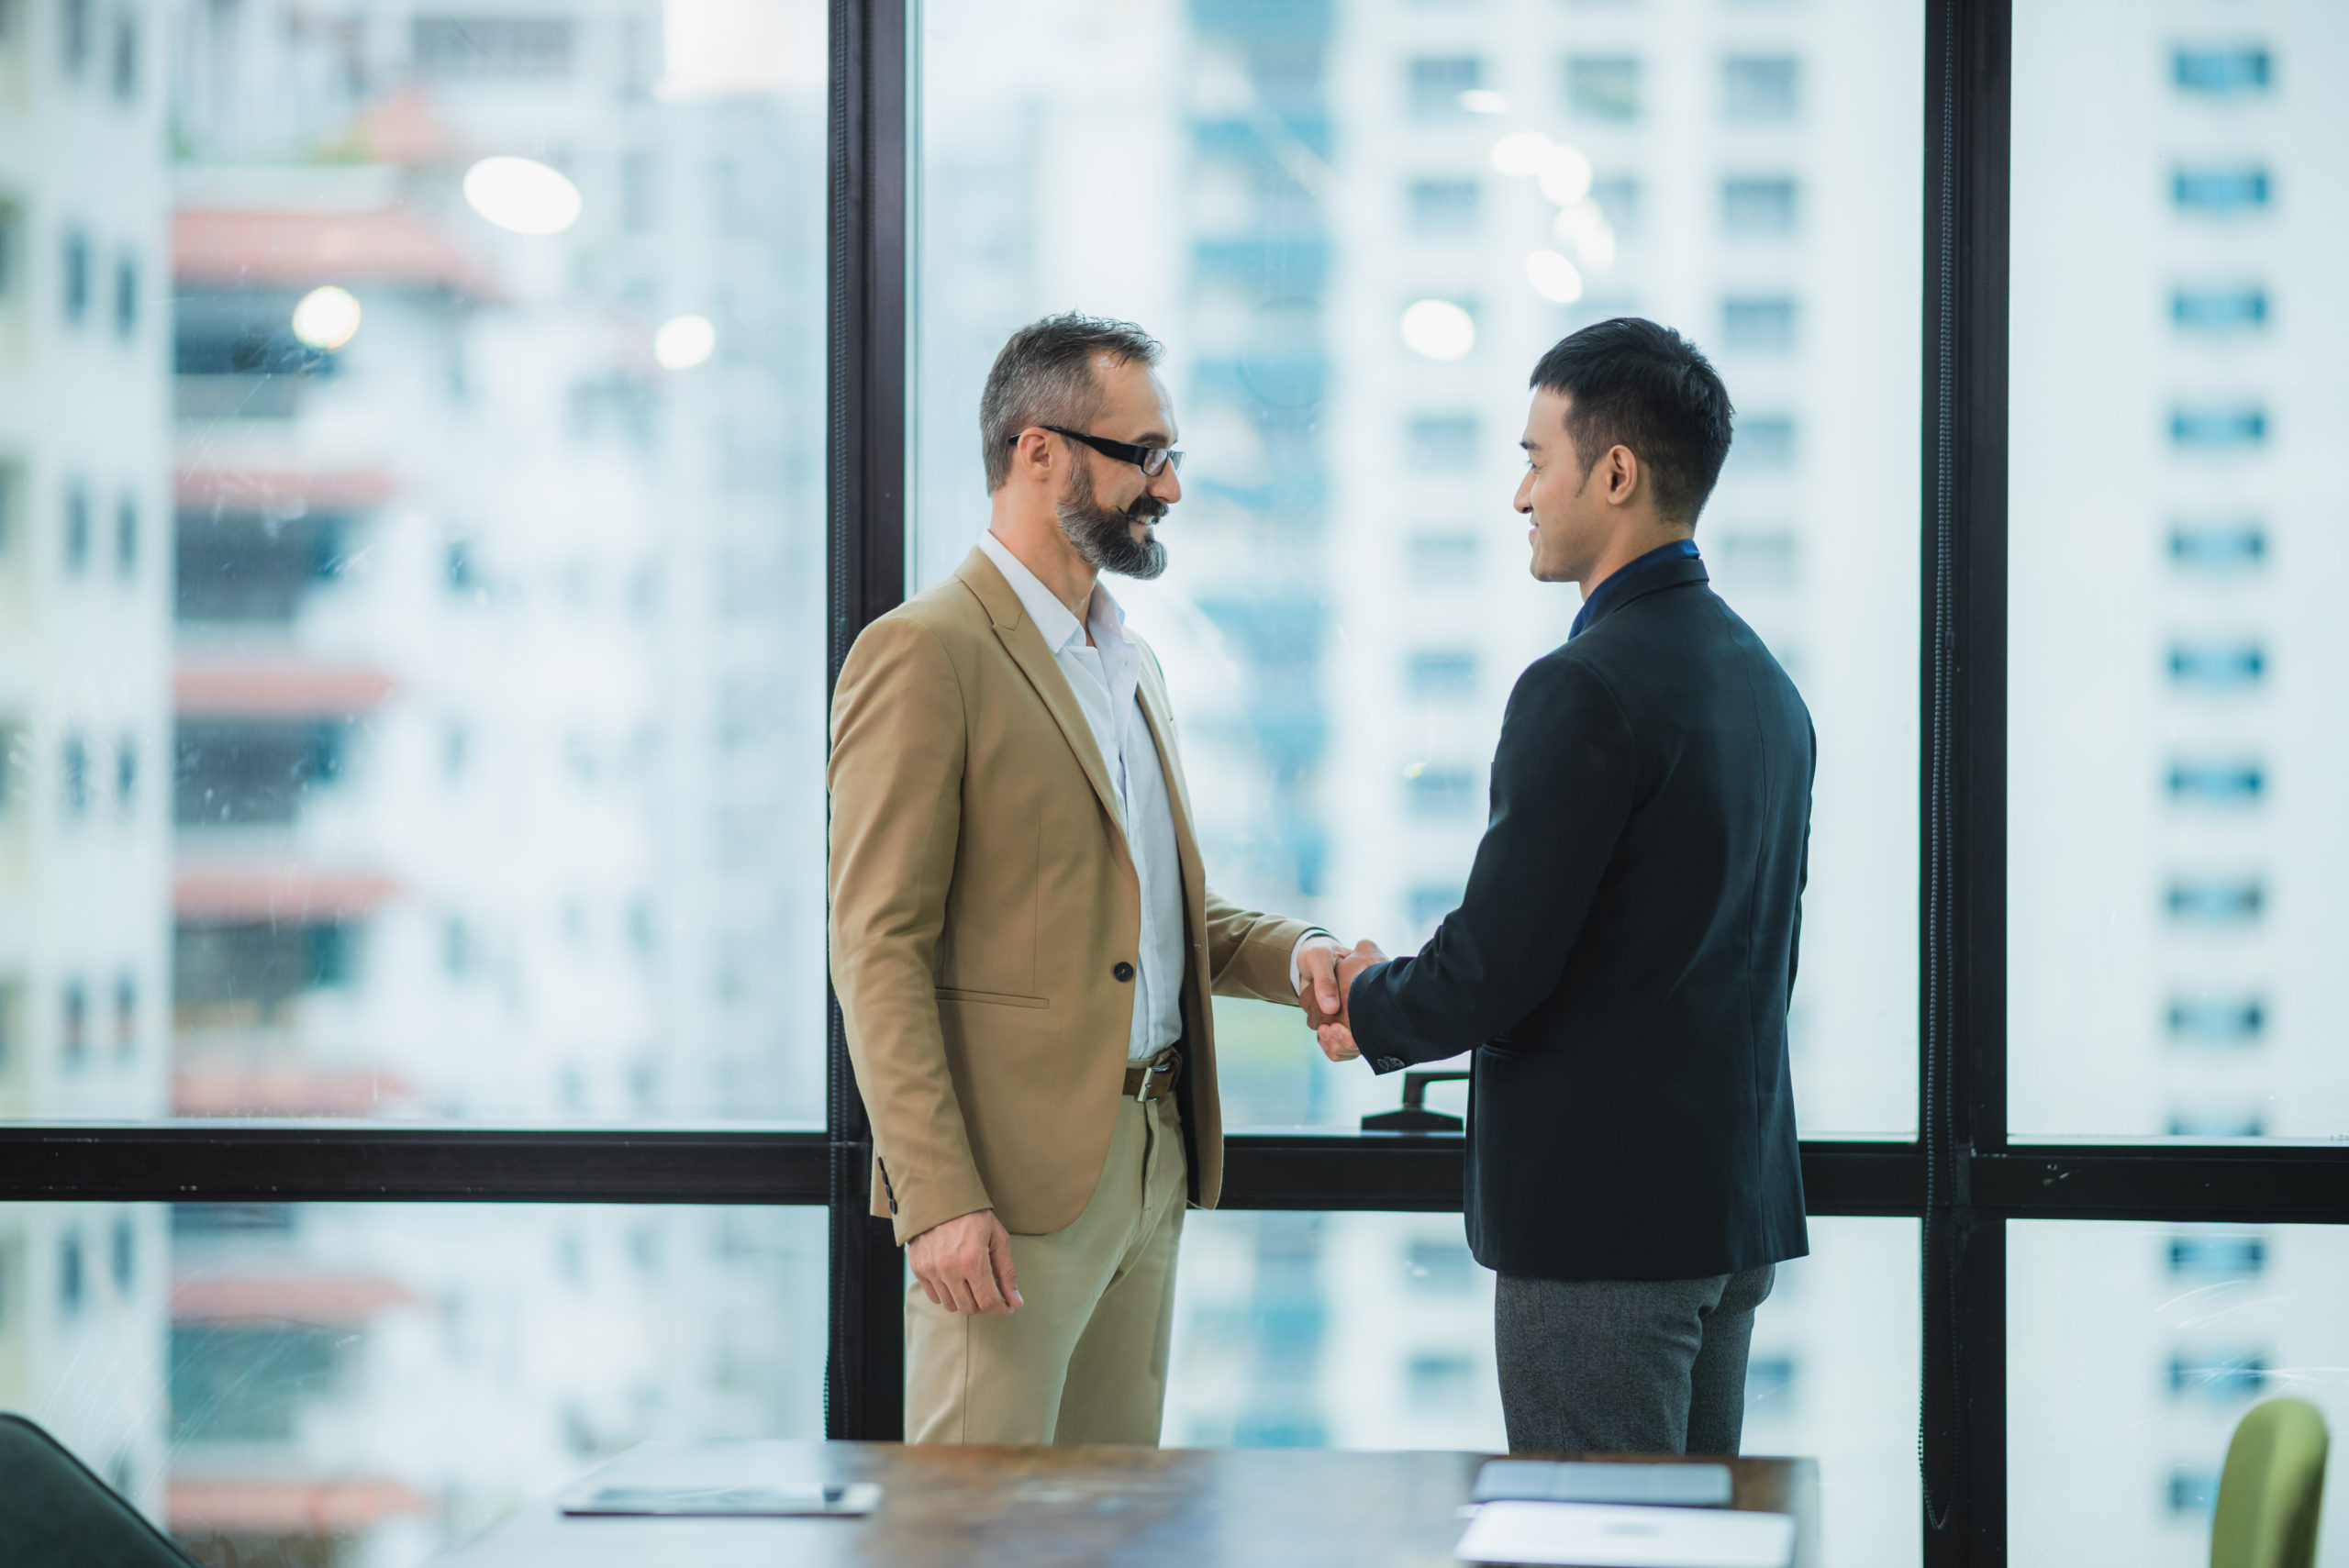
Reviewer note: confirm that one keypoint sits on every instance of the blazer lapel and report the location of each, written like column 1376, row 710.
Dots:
column 1026, row 645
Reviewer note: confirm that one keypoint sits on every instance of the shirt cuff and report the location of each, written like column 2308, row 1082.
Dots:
column 1297, row 969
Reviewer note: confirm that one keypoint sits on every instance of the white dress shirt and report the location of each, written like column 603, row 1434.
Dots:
column 1105, row 678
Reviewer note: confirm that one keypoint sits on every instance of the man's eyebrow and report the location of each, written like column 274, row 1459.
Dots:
column 1531, row 446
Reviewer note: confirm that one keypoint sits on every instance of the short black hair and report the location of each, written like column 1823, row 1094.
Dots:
column 1644, row 386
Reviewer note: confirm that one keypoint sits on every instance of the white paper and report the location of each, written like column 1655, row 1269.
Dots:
column 1599, row 1535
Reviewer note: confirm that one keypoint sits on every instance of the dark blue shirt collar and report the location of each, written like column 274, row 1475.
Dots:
column 1620, row 578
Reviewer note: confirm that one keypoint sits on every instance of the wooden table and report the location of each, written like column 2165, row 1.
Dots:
column 1061, row 1508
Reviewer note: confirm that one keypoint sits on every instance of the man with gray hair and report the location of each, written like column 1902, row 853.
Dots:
column 1022, row 937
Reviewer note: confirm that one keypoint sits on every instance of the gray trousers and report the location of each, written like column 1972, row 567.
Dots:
column 1626, row 1366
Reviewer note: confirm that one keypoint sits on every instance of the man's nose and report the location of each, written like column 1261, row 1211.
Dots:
column 1165, row 486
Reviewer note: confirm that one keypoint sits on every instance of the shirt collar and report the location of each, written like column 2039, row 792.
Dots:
column 1620, row 578
column 1053, row 623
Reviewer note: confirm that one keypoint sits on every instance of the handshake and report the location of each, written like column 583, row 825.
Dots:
column 1328, row 972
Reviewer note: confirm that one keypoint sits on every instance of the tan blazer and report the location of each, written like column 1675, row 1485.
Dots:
column 983, row 899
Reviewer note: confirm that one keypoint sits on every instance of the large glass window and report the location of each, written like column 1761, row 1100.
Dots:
column 1356, row 228
column 2177, row 859
column 411, row 652
column 287, row 1385
column 2132, row 1351
column 1375, row 1330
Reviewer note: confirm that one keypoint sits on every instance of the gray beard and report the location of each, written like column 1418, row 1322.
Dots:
column 1106, row 538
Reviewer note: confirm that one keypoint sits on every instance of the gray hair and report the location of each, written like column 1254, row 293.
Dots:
column 1045, row 376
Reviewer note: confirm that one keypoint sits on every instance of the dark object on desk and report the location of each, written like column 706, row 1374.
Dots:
column 1015, row 1507
column 1583, row 1480
column 1414, row 1116
column 55, row 1513
column 602, row 1499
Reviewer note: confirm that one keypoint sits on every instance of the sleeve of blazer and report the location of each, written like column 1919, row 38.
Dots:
column 1247, row 954
column 895, row 780
column 1802, row 876
column 1564, row 780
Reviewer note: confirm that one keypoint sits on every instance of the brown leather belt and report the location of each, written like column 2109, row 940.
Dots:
column 1154, row 1079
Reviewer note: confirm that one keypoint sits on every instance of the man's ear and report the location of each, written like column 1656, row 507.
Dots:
column 1623, row 474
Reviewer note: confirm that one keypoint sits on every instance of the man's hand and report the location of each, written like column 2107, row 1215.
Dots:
column 1317, row 968
column 965, row 1265
column 1336, row 1033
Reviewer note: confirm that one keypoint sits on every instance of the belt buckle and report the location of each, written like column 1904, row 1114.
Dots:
column 1150, row 1070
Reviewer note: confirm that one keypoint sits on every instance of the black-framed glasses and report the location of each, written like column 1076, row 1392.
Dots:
column 1151, row 460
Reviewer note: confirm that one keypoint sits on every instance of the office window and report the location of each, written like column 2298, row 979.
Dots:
column 1758, row 326
column 125, row 56
column 1364, row 488
column 2217, row 783
column 1439, row 794
column 1442, row 210
column 73, row 770
column 2218, row 192
column 2217, row 429
column 73, row 1285
column 1441, row 443
column 1436, row 85
column 126, row 1017
column 2210, row 1122
column 1432, row 901
column 2216, row 902
column 2218, row 310
column 75, row 22
column 77, row 302
column 126, row 769
column 1617, row 196
column 1764, row 443
column 1753, row 208
column 126, row 296
column 1761, row 87
column 1438, row 560
column 126, row 535
column 1446, row 673
column 2217, row 666
column 2217, row 548
column 73, row 1023
column 482, row 46
column 76, row 551
column 2216, row 1020
column 1604, row 88
column 2220, row 73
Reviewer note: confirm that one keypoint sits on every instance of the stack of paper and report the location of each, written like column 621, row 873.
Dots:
column 1596, row 1535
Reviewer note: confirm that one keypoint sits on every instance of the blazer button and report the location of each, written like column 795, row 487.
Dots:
column 1123, row 971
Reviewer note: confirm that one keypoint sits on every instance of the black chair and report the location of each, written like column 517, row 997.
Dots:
column 55, row 1513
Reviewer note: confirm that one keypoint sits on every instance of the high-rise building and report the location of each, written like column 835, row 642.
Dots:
column 86, row 553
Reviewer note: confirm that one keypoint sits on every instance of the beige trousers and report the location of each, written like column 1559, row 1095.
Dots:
column 1085, row 1361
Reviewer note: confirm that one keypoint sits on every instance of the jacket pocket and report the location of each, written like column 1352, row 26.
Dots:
column 999, row 998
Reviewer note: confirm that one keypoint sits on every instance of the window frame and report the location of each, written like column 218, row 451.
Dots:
column 1961, row 1178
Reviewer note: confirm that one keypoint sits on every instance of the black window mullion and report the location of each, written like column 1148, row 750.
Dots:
column 866, row 556
column 1961, row 1032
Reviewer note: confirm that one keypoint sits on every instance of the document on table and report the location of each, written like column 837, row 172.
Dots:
column 592, row 1498
column 1582, row 1481
column 1597, row 1535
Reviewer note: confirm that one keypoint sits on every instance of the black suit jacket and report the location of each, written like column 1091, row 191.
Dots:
column 1621, row 960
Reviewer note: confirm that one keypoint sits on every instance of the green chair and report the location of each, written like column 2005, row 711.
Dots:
column 55, row 1513
column 2272, row 1489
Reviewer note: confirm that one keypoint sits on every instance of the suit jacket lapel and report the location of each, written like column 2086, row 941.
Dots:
column 1026, row 645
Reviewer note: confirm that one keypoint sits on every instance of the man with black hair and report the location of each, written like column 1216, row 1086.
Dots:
column 1620, row 961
